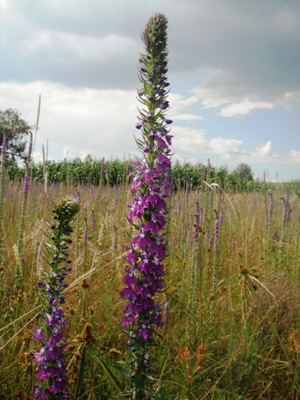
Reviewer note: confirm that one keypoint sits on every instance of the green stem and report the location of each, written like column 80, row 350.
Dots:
column 80, row 374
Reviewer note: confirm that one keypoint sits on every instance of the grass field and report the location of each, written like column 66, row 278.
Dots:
column 230, row 303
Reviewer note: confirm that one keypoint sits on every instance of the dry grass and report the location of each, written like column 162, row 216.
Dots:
column 239, row 341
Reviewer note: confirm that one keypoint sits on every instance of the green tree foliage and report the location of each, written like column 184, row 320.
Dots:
column 244, row 172
column 15, row 129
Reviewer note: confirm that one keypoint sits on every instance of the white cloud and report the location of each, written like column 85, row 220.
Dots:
column 100, row 122
column 293, row 157
column 235, row 95
column 240, row 100
column 219, row 145
column 88, row 48
column 265, row 155
column 243, row 107
column 4, row 4
column 210, row 93
column 265, row 149
column 71, row 152
column 82, row 121
column 41, row 40
column 285, row 21
column 186, row 117
column 190, row 142
column 180, row 102
column 68, row 153
column 37, row 157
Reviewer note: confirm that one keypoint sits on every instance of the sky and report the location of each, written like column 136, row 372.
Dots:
column 234, row 70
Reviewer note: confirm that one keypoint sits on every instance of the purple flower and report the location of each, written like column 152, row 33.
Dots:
column 133, row 307
column 147, row 213
column 153, row 227
column 146, row 266
column 39, row 357
column 130, row 279
column 128, row 320
column 50, row 333
column 52, row 353
column 164, row 105
column 148, row 174
column 131, row 256
column 145, row 331
column 128, row 293
column 144, row 291
column 39, row 334
column 60, row 384
column 287, row 209
column 44, row 374
column 137, row 183
column 39, row 393
column 142, row 240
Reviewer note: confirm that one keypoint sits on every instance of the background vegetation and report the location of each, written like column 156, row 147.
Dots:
column 231, row 302
column 115, row 172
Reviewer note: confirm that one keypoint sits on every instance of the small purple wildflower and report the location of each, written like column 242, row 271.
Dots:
column 233, row 245
column 50, row 334
column 287, row 209
column 270, row 211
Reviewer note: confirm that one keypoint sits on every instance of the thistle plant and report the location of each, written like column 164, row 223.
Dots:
column 148, row 209
column 50, row 333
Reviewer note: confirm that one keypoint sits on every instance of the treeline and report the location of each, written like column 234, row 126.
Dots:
column 115, row 172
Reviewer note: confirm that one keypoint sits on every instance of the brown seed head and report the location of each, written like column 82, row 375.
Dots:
column 87, row 335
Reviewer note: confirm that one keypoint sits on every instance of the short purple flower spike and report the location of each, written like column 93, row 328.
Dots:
column 50, row 334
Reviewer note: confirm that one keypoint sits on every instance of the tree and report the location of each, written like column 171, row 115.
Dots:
column 15, row 129
column 244, row 172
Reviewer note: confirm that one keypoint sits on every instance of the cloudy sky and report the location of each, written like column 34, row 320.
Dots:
column 234, row 69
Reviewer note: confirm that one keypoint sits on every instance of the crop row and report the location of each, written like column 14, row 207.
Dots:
column 115, row 172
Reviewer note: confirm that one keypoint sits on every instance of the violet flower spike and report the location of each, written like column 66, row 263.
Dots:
column 150, row 186
column 50, row 334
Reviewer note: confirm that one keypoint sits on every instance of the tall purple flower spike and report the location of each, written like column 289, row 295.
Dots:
column 148, row 209
column 150, row 187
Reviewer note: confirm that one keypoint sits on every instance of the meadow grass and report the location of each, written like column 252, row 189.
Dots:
column 230, row 303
